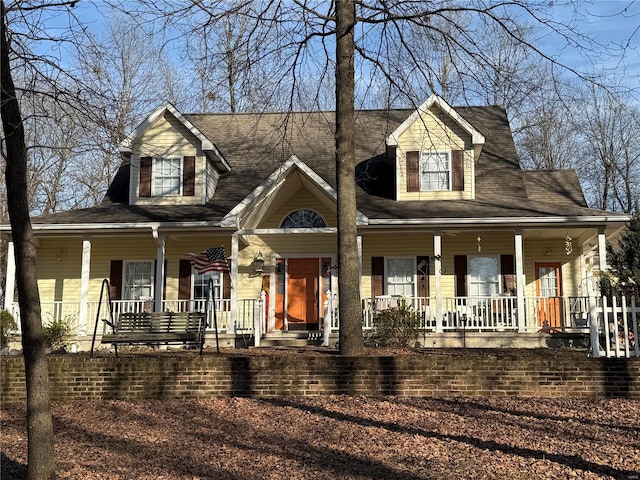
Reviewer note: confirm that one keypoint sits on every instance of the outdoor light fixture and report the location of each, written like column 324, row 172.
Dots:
column 258, row 263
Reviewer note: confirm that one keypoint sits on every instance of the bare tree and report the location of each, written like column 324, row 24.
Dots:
column 611, row 150
column 41, row 460
column 125, row 74
column 546, row 132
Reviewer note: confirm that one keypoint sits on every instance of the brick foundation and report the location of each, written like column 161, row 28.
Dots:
column 538, row 373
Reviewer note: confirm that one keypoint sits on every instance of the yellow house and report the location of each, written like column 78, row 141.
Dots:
column 447, row 220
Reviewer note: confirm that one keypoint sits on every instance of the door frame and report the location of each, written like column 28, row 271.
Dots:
column 284, row 258
column 547, row 304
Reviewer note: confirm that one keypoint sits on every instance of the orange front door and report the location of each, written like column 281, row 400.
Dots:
column 549, row 296
column 302, row 293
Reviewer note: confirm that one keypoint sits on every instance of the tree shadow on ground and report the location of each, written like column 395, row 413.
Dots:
column 572, row 461
column 11, row 469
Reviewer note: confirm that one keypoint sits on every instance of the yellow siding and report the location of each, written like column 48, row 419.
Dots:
column 59, row 280
column 303, row 199
column 435, row 131
column 168, row 137
column 59, row 262
column 467, row 244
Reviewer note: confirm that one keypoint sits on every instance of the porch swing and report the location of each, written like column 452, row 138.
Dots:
column 151, row 328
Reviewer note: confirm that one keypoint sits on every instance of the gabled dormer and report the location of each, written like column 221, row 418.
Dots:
column 172, row 161
column 435, row 151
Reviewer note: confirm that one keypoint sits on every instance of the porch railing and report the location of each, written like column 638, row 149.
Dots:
column 481, row 314
column 495, row 313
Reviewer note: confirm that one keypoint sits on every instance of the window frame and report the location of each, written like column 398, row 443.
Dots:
column 304, row 211
column 127, row 288
column 410, row 274
column 421, row 170
column 217, row 286
column 156, row 175
column 498, row 283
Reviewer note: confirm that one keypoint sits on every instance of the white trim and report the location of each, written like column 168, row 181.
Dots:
column 522, row 221
column 124, row 275
column 206, row 144
column 437, row 253
column 158, row 294
column 449, row 170
column 155, row 175
column 520, row 280
column 85, row 278
column 410, row 274
column 276, row 231
column 602, row 252
column 10, row 284
column 494, row 256
column 476, row 137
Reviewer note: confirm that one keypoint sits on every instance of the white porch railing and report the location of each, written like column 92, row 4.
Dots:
column 614, row 333
column 70, row 312
column 483, row 314
column 495, row 313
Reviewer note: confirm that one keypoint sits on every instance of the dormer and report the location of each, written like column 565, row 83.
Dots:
column 435, row 151
column 172, row 161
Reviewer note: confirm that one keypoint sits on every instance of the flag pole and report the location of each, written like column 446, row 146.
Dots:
column 212, row 299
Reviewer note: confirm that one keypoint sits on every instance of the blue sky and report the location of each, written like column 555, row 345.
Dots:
column 612, row 23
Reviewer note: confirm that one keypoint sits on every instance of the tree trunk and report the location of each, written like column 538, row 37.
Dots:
column 351, row 338
column 41, row 461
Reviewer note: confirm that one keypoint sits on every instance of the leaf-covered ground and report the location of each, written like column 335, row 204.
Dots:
column 337, row 437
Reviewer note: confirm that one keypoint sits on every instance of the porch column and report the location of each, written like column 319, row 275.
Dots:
column 602, row 251
column 437, row 265
column 10, row 284
column 159, row 287
column 84, row 284
column 234, row 282
column 520, row 314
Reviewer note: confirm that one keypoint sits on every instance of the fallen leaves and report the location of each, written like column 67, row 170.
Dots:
column 337, row 437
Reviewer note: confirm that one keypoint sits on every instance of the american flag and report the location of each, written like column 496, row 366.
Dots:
column 211, row 260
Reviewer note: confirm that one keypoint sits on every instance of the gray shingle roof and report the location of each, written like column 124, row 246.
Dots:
column 254, row 145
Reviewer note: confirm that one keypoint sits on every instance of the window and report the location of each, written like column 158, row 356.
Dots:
column 138, row 280
column 435, row 171
column 303, row 219
column 484, row 278
column 201, row 285
column 167, row 176
column 400, row 272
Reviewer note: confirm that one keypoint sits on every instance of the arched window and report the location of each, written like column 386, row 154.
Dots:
column 303, row 219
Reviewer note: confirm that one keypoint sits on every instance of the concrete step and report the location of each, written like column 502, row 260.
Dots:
column 291, row 339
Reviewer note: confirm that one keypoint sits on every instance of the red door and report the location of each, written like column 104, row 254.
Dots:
column 549, row 296
column 302, row 293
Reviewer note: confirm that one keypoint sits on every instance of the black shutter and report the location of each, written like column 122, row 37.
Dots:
column 413, row 171
column 460, row 270
column 507, row 271
column 115, row 280
column 184, row 283
column 457, row 170
column 377, row 276
column 188, row 176
column 144, row 189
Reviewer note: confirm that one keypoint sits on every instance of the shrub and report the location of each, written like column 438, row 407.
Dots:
column 395, row 327
column 8, row 326
column 57, row 333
